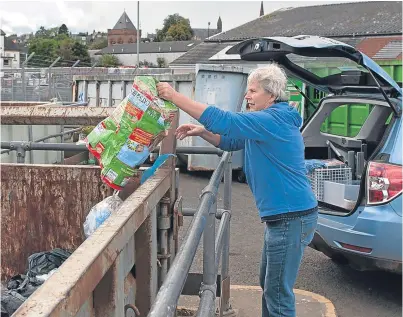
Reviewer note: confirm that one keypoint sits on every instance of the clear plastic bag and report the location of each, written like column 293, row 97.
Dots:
column 99, row 213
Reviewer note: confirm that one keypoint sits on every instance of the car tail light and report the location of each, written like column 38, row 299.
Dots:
column 384, row 182
column 355, row 247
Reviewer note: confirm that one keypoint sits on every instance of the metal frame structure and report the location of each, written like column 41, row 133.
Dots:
column 95, row 279
column 215, row 245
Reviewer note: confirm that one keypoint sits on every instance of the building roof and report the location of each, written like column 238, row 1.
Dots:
column 10, row 45
column 388, row 47
column 204, row 33
column 151, row 47
column 124, row 22
column 331, row 20
column 2, row 32
column 375, row 47
column 351, row 23
column 393, row 50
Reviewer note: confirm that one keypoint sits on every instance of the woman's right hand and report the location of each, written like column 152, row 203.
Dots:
column 189, row 130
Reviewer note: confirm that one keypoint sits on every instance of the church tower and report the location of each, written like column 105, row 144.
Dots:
column 261, row 9
column 219, row 24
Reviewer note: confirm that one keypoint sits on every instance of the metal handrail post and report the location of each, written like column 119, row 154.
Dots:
column 209, row 287
column 224, row 223
column 225, row 306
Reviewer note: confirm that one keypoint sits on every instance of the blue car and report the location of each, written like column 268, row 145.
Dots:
column 358, row 178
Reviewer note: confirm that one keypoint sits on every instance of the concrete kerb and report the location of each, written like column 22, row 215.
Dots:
column 330, row 310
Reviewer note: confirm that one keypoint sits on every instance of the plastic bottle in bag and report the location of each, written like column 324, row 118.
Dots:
column 99, row 213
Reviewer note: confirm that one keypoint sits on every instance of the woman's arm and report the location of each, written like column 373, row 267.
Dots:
column 211, row 138
column 193, row 108
column 223, row 142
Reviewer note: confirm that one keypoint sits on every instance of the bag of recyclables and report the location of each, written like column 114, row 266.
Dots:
column 124, row 140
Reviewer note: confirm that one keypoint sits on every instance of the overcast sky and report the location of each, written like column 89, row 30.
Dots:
column 85, row 16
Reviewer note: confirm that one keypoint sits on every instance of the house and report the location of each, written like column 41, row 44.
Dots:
column 9, row 52
column 81, row 37
column 151, row 51
column 150, row 37
column 97, row 36
column 23, row 39
column 124, row 32
column 375, row 28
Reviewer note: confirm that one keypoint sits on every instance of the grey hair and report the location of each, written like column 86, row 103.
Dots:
column 272, row 79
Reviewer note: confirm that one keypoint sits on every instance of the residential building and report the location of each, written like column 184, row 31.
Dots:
column 9, row 52
column 82, row 38
column 97, row 36
column 151, row 37
column 22, row 40
column 150, row 52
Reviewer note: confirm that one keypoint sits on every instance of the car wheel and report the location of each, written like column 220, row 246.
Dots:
column 241, row 177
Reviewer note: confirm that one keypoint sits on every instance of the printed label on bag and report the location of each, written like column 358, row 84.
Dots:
column 111, row 175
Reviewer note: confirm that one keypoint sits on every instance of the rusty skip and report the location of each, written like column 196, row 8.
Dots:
column 42, row 208
column 65, row 292
column 48, row 114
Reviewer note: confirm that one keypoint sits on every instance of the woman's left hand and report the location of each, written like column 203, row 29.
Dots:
column 165, row 91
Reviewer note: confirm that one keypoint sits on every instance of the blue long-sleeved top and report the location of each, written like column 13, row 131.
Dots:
column 274, row 155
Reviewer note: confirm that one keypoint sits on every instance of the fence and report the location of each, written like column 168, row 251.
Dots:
column 43, row 79
column 95, row 279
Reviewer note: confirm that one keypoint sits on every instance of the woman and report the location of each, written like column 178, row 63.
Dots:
column 275, row 170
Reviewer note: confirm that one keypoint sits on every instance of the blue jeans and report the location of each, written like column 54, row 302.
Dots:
column 284, row 244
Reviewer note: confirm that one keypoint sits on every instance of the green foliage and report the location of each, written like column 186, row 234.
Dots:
column 179, row 32
column 44, row 47
column 56, row 42
column 161, row 62
column 147, row 64
column 99, row 44
column 63, row 29
column 47, row 33
column 109, row 60
column 80, row 52
column 176, row 28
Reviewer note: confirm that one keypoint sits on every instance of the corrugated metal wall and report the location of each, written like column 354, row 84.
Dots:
column 347, row 120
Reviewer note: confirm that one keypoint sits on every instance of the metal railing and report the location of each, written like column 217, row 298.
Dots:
column 40, row 78
column 215, row 245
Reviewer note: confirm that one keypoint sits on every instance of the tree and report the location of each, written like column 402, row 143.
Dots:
column 109, row 60
column 179, row 32
column 45, row 47
column 182, row 29
column 47, row 33
column 50, row 44
column 65, row 49
column 63, row 29
column 162, row 62
column 80, row 51
column 99, row 44
column 42, row 32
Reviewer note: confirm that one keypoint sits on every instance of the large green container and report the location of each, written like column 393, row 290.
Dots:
column 347, row 120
